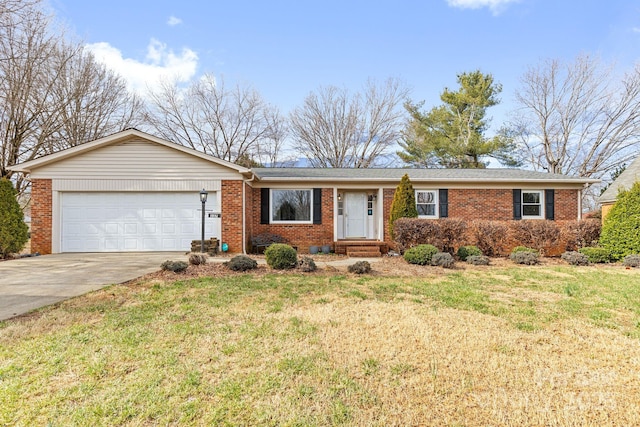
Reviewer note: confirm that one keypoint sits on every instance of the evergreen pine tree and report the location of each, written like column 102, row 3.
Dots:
column 621, row 229
column 14, row 233
column 404, row 203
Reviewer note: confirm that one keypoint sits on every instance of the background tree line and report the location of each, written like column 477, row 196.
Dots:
column 576, row 118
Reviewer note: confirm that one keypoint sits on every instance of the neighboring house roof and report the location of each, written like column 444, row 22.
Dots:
column 114, row 139
column 416, row 175
column 623, row 182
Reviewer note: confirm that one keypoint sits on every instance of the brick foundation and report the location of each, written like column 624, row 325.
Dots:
column 41, row 216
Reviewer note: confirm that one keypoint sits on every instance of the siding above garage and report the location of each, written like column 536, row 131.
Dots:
column 135, row 159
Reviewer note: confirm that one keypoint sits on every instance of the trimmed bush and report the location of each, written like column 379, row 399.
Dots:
column 403, row 204
column 466, row 251
column 420, row 254
column 579, row 234
column 175, row 266
column 281, row 256
column 241, row 263
column 410, row 232
column 575, row 258
column 14, row 233
column 596, row 255
column 442, row 259
column 478, row 260
column 524, row 255
column 197, row 258
column 538, row 234
column 621, row 229
column 360, row 267
column 632, row 260
column 452, row 234
column 490, row 236
column 307, row 264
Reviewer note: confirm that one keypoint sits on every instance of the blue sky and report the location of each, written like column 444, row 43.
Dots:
column 286, row 49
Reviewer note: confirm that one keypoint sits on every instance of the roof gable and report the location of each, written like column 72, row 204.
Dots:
column 120, row 138
column 624, row 182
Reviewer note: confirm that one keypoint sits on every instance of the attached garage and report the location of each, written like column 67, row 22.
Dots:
column 121, row 222
column 132, row 192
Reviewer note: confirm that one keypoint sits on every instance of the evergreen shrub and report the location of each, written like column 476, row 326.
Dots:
column 421, row 254
column 241, row 263
column 621, row 230
column 281, row 256
column 403, row 204
column 596, row 255
column 466, row 251
column 14, row 233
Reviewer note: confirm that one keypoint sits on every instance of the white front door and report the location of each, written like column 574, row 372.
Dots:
column 355, row 215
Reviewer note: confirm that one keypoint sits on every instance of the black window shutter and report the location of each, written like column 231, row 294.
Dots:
column 264, row 206
column 517, row 204
column 443, row 201
column 549, row 204
column 317, row 205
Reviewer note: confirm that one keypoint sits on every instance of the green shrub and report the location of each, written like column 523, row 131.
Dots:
column 524, row 255
column 360, row 267
column 466, row 251
column 524, row 249
column 403, row 204
column 621, row 230
column 575, row 258
column 632, row 260
column 175, row 266
column 14, row 233
column 442, row 259
column 420, row 254
column 596, row 255
column 241, row 263
column 478, row 260
column 307, row 264
column 281, row 256
column 197, row 258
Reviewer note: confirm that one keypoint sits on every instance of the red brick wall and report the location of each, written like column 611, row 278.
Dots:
column 249, row 212
column 566, row 205
column 231, row 220
column 300, row 235
column 41, row 217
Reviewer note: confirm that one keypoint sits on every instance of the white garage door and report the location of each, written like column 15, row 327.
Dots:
column 130, row 222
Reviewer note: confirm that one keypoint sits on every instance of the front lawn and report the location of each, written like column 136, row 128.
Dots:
column 550, row 345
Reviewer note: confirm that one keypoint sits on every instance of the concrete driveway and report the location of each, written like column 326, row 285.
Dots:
column 30, row 283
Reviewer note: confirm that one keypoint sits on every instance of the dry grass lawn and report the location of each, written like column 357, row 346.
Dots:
column 485, row 346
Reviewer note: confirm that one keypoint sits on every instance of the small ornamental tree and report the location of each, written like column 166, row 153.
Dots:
column 621, row 230
column 14, row 233
column 404, row 203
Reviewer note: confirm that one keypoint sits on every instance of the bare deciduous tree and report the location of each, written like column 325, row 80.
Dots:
column 53, row 94
column 232, row 124
column 576, row 119
column 334, row 128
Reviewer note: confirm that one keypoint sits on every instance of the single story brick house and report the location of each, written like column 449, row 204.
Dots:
column 132, row 191
column 623, row 182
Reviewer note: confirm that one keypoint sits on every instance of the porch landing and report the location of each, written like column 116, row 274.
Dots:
column 361, row 248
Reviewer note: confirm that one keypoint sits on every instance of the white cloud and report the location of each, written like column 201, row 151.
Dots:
column 496, row 6
column 173, row 21
column 160, row 63
column 636, row 29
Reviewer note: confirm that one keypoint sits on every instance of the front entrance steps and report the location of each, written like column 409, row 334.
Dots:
column 361, row 248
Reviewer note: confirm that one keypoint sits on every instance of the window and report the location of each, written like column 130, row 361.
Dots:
column 291, row 206
column 426, row 203
column 532, row 204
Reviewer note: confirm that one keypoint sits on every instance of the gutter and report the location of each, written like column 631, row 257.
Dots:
column 244, row 212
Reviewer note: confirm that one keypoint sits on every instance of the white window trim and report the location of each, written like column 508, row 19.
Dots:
column 273, row 221
column 435, row 201
column 522, row 204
